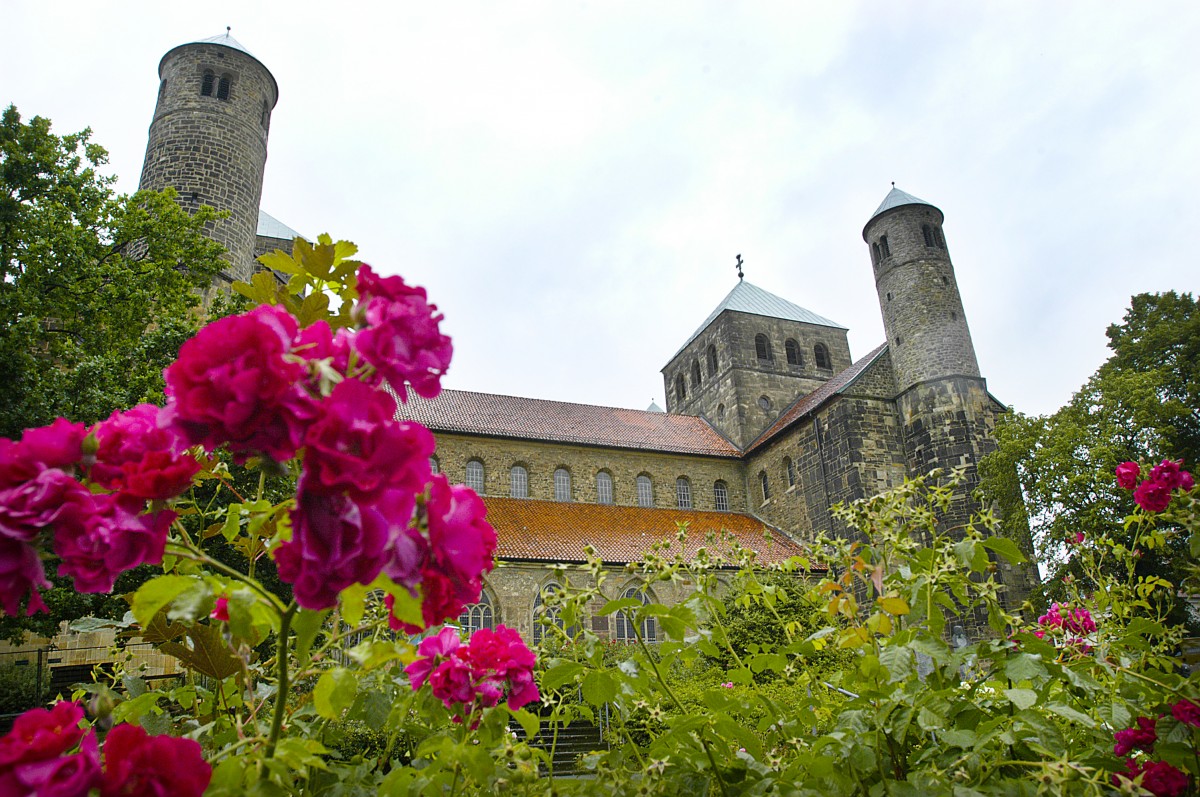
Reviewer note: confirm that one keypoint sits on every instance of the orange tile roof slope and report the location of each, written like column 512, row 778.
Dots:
column 562, row 422
column 550, row 531
column 816, row 398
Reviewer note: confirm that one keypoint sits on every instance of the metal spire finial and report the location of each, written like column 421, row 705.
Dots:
column 739, row 268
column 893, row 183
column 227, row 29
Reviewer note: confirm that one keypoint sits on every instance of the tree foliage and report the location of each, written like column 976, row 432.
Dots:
column 1143, row 404
column 97, row 290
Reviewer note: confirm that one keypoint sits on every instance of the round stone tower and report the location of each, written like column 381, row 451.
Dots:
column 923, row 316
column 208, row 139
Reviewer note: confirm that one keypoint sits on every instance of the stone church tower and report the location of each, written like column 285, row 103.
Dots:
column 946, row 415
column 208, row 138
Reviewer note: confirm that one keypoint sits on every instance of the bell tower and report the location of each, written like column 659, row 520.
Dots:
column 208, row 138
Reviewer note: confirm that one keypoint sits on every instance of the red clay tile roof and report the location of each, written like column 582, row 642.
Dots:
column 550, row 531
column 557, row 421
column 816, row 398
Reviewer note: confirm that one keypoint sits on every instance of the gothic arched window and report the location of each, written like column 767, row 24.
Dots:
column 628, row 628
column 696, row 374
column 604, row 487
column 475, row 475
column 645, row 491
column 765, row 484
column 206, row 85
column 562, row 485
column 435, row 467
column 789, row 468
column 792, row 349
column 821, row 356
column 477, row 615
column 518, row 482
column 712, row 361
column 721, row 496
column 762, row 347
column 683, row 493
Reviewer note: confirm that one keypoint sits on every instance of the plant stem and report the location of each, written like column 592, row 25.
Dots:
column 185, row 550
column 281, row 692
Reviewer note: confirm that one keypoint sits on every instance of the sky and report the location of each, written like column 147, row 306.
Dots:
column 573, row 180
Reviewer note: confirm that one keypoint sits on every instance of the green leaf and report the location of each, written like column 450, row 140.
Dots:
column 899, row 662
column 1021, row 698
column 894, row 606
column 1024, row 666
column 618, row 605
column 335, row 692
column 156, row 593
column 206, row 651
column 307, row 624
column 1067, row 712
column 599, row 688
column 1005, row 547
column 529, row 722
column 560, row 674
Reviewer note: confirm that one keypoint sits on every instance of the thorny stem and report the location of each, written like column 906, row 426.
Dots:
column 281, row 691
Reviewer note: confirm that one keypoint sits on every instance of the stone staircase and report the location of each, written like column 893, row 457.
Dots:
column 574, row 740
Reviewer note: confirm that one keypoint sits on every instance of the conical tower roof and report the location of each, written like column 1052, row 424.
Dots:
column 747, row 298
column 897, row 198
column 226, row 40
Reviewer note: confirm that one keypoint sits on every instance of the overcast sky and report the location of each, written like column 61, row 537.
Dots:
column 571, row 181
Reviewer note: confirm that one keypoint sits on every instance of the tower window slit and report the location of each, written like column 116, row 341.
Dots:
column 223, row 88
column 883, row 245
column 206, row 85
column 928, row 234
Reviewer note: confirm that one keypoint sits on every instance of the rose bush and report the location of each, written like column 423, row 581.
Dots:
column 902, row 668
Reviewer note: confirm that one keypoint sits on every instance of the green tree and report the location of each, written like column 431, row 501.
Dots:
column 97, row 290
column 1143, row 404
column 97, row 293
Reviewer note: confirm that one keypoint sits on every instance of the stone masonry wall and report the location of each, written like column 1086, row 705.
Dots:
column 583, row 463
column 213, row 151
column 730, row 398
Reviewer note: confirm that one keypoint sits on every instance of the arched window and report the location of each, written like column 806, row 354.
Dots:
column 552, row 614
column 712, row 361
column 937, row 237
column 720, row 411
column 628, row 628
column 696, row 374
column 789, row 468
column 475, row 475
column 435, row 467
column 680, row 388
column 821, row 356
column 765, row 484
column 683, row 493
column 883, row 246
column 206, row 85
column 792, row 349
column 223, row 88
column 477, row 615
column 518, row 482
column 721, row 496
column 762, row 347
column 562, row 485
column 645, row 491
column 604, row 488
column 875, row 254
column 927, row 234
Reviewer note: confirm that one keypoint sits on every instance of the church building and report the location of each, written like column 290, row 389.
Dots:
column 770, row 420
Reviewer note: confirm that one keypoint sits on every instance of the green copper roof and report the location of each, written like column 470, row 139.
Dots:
column 896, row 198
column 747, row 298
column 271, row 227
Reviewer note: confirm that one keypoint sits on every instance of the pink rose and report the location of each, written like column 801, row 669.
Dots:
column 1077, row 538
column 101, row 536
column 355, row 445
column 29, row 508
column 1152, row 496
column 1158, row 777
column 462, row 541
column 1186, row 712
column 453, row 682
column 237, row 383
column 1142, row 737
column 21, row 575
column 431, row 650
column 220, row 611
column 335, row 543
column 1127, row 474
column 1168, row 473
column 138, row 455
column 139, row 765
column 402, row 338
column 39, row 734
column 59, row 445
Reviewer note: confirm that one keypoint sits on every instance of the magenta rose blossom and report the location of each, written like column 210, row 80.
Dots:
column 41, row 733
column 59, row 445
column 356, row 446
column 101, row 536
column 1152, row 496
column 461, row 540
column 21, row 576
column 237, row 383
column 139, row 765
column 1158, row 777
column 139, row 456
column 1142, row 737
column 503, row 662
column 335, row 543
column 467, row 678
column 1127, row 474
column 402, row 338
column 1186, row 712
column 30, row 507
